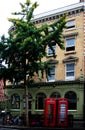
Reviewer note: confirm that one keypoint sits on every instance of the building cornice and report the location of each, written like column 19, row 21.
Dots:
column 44, row 84
column 60, row 11
column 61, row 82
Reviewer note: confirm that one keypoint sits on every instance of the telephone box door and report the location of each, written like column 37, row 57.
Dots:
column 62, row 118
column 50, row 112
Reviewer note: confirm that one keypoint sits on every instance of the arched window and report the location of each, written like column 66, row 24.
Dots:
column 72, row 100
column 55, row 95
column 40, row 99
column 15, row 101
column 29, row 101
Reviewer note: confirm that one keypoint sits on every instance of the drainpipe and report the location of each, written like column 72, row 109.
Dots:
column 84, row 105
column 84, row 59
column 84, row 62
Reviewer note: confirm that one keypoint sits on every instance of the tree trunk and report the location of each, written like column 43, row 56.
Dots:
column 27, row 111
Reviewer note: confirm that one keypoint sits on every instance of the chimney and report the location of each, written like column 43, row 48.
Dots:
column 82, row 0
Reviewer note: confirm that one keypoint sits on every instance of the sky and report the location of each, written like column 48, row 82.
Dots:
column 7, row 7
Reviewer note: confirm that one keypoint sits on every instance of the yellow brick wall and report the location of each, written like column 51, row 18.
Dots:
column 62, row 54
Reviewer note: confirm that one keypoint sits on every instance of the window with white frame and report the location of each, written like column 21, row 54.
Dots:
column 51, row 74
column 70, row 71
column 50, row 51
column 70, row 44
column 70, row 24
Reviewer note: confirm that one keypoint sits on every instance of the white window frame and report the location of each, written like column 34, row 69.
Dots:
column 70, row 24
column 49, row 51
column 52, row 74
column 69, row 71
column 71, row 43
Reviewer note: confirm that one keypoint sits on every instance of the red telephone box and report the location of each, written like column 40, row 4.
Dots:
column 50, row 112
column 62, row 112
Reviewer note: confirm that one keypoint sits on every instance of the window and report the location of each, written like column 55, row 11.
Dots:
column 70, row 44
column 50, row 29
column 29, row 101
column 70, row 24
column 55, row 95
column 70, row 68
column 72, row 100
column 51, row 74
column 40, row 99
column 15, row 101
column 50, row 51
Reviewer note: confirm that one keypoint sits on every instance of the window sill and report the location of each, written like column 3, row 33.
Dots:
column 70, row 52
column 48, row 56
column 72, row 110
column 41, row 110
column 70, row 78
column 70, row 29
column 15, row 109
column 51, row 81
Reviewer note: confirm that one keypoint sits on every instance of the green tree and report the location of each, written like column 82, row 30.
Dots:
column 25, row 46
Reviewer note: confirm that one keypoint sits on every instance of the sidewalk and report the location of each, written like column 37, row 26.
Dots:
column 77, row 125
column 43, row 128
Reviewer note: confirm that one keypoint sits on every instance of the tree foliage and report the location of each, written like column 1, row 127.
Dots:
column 25, row 46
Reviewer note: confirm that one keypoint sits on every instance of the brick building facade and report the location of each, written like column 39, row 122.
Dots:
column 68, row 69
